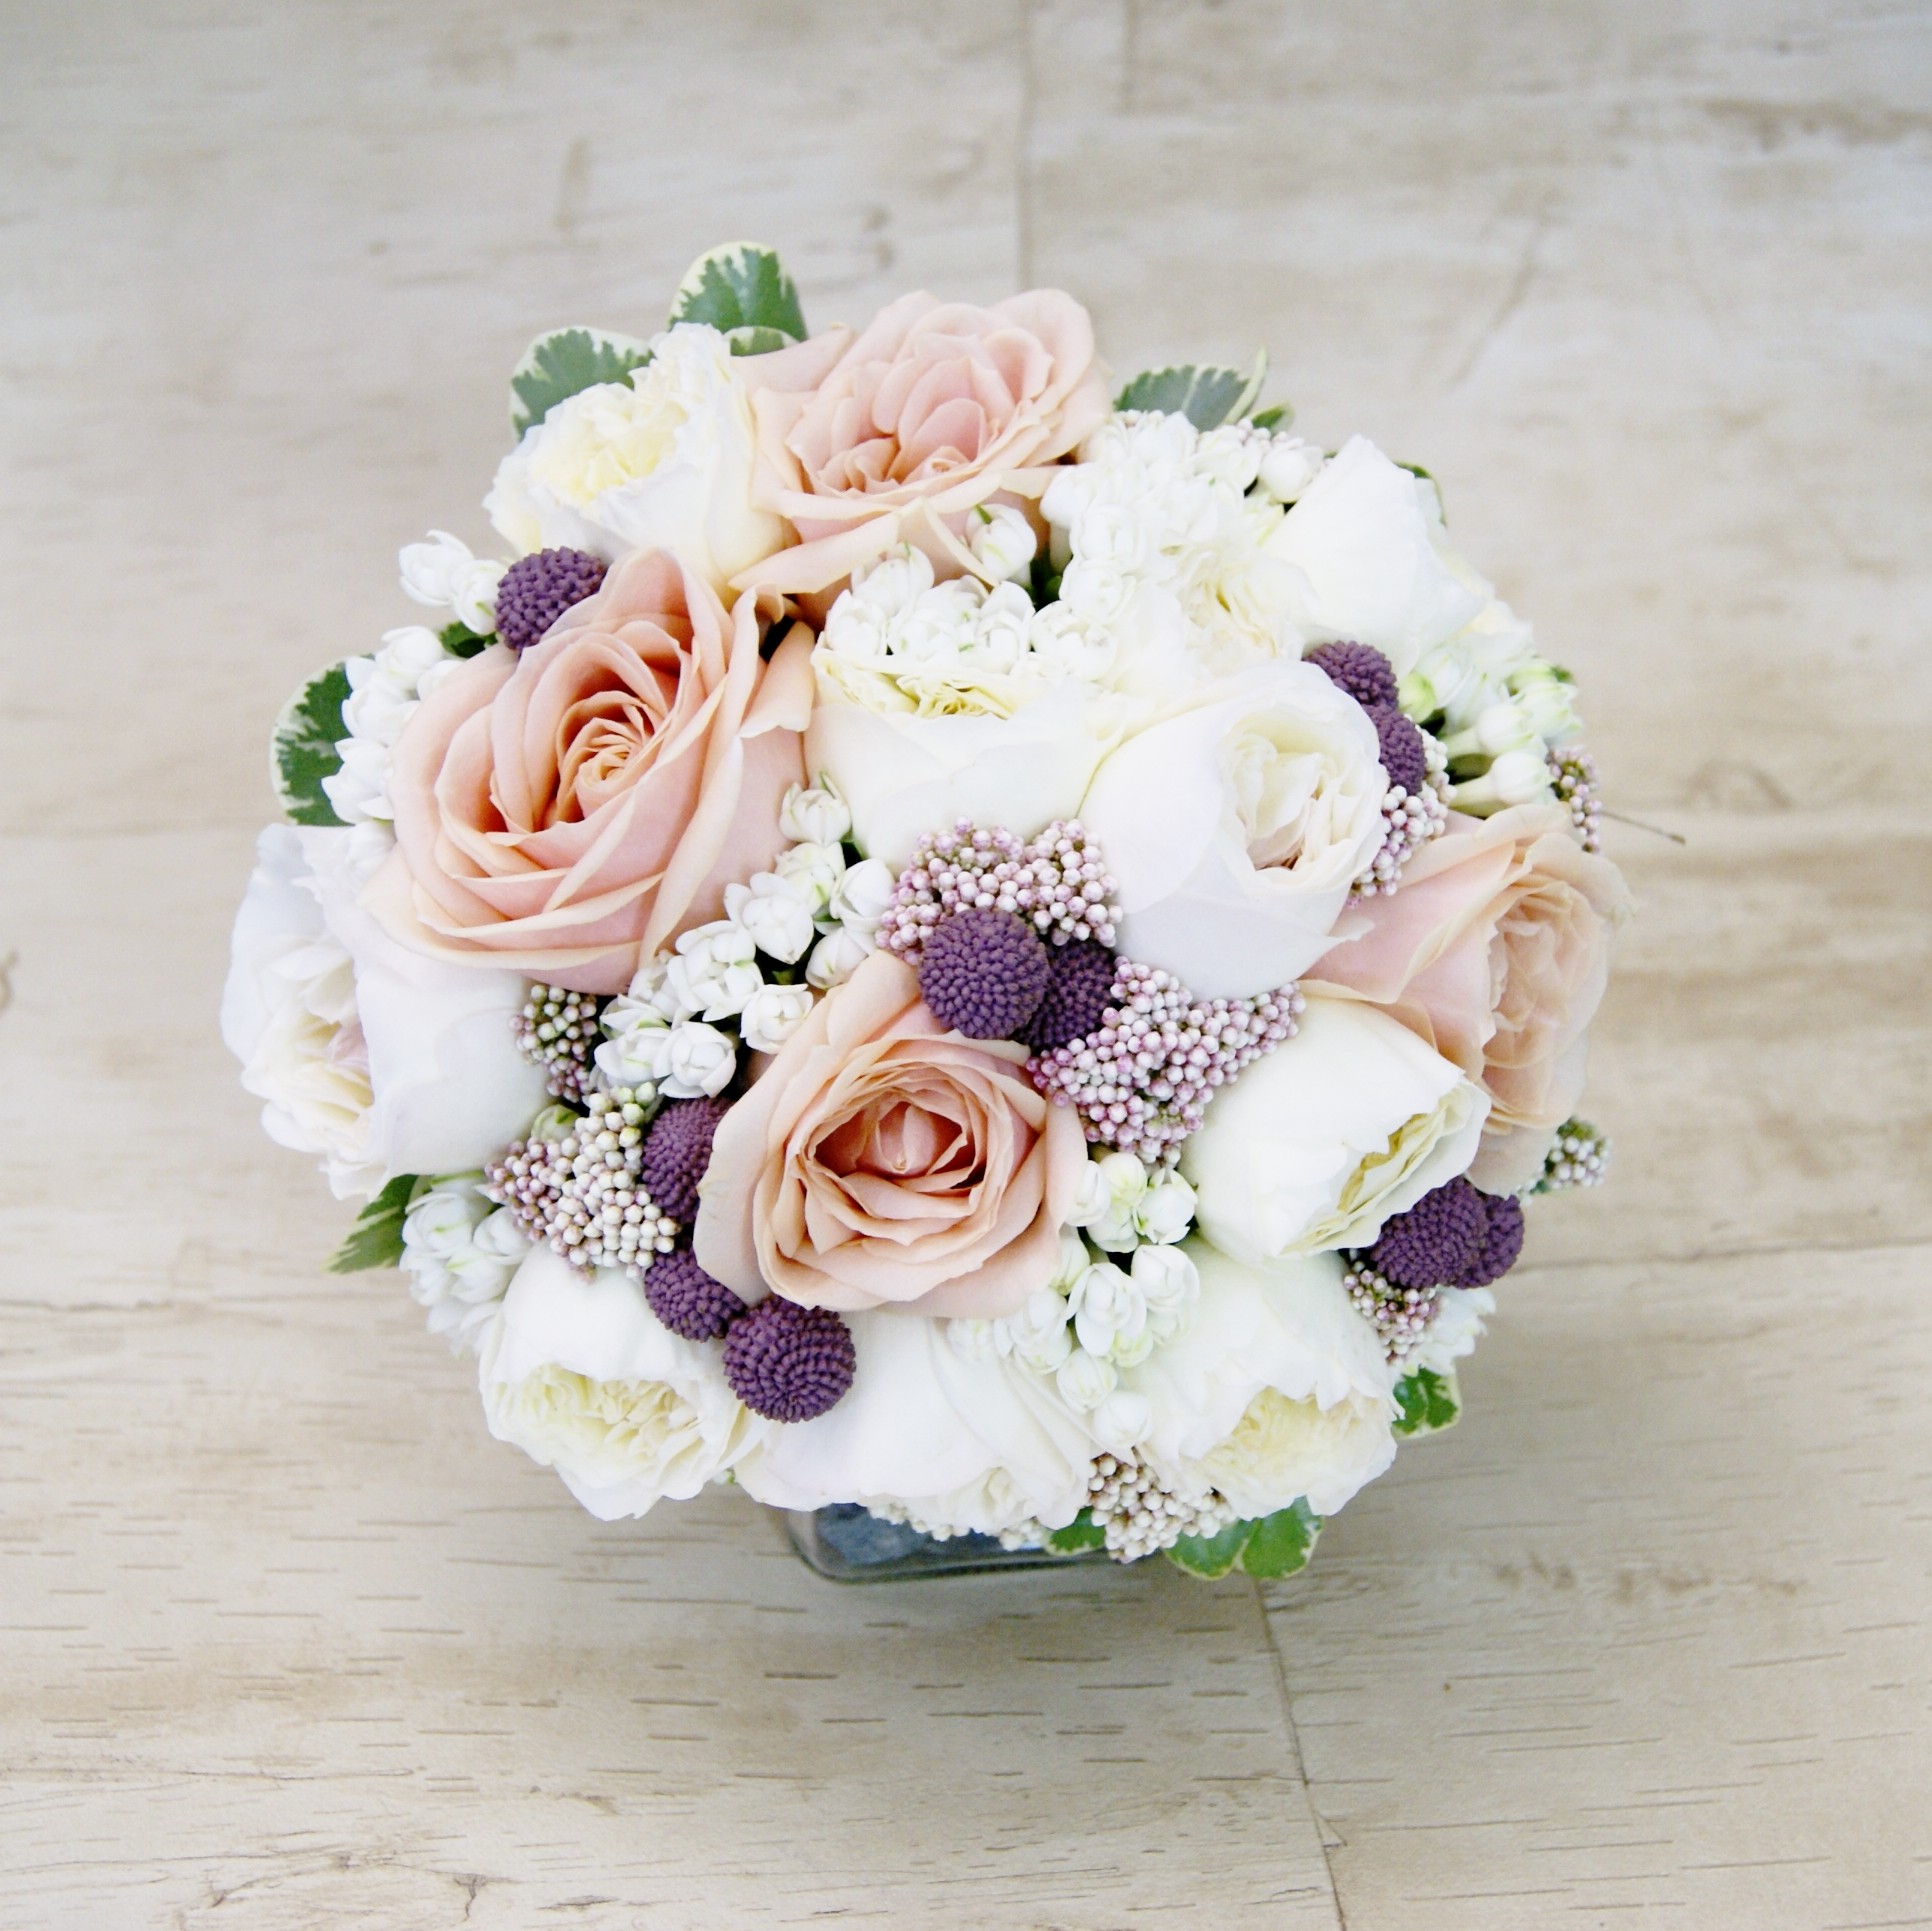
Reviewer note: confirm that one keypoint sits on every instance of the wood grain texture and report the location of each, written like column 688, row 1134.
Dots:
column 285, row 1638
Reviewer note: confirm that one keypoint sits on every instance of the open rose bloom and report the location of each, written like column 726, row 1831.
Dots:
column 986, row 955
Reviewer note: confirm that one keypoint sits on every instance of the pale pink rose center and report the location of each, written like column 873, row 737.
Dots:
column 1531, row 966
column 936, row 407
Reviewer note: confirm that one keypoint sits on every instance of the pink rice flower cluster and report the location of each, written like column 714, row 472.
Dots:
column 1142, row 1081
column 1059, row 884
column 1409, row 820
column 1573, row 773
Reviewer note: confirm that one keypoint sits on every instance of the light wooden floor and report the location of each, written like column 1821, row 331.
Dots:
column 288, row 1642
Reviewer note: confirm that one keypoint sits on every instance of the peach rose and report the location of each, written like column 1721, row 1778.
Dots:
column 570, row 811
column 936, row 408
column 1495, row 949
column 882, row 1159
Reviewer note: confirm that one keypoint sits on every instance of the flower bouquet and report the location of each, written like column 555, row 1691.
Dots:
column 938, row 940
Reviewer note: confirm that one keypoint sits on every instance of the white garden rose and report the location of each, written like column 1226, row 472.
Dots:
column 1286, row 1331
column 379, row 1058
column 662, row 461
column 580, row 1375
column 1369, row 562
column 958, row 1439
column 1236, row 824
column 1318, row 1143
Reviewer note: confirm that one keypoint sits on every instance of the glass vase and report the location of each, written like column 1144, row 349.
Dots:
column 848, row 1544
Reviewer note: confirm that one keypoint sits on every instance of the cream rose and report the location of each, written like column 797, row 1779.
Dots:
column 935, row 409
column 1495, row 951
column 580, row 1375
column 882, row 1159
column 1236, row 825
column 379, row 1058
column 1277, row 1390
column 1314, row 1146
column 660, row 462
column 570, row 811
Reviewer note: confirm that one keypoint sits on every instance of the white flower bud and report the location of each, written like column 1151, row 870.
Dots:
column 1170, row 1286
column 1074, row 1261
column 1039, row 1332
column 1546, row 701
column 714, row 972
column 1166, row 1210
column 776, row 912
column 813, row 870
column 431, row 570
column 408, row 652
column 500, row 1237
column 1001, row 540
column 1085, row 1382
column 1514, row 779
column 817, row 816
column 974, row 1340
column 1122, row 1421
column 772, row 1014
column 1109, row 1311
column 863, row 894
column 836, row 957
column 638, row 1049
column 1289, row 467
column 701, row 1062
column 892, row 585
column 649, row 986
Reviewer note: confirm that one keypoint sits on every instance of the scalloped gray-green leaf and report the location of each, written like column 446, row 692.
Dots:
column 302, row 750
column 565, row 362
column 1282, row 1542
column 1426, row 1401
column 376, row 1238
column 740, row 286
column 1206, row 395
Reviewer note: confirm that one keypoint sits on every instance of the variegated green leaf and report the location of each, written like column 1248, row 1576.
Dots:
column 1205, row 395
column 1282, row 1542
column 1425, row 1401
column 1211, row 1555
column 563, row 363
column 376, row 1238
column 740, row 286
column 1083, row 1532
column 756, row 341
column 302, row 751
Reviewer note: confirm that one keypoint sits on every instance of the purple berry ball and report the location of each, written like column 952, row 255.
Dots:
column 1502, row 1240
column 1404, row 756
column 1436, row 1243
column 984, row 973
column 1359, row 669
column 536, row 590
column 686, row 1299
column 1079, row 990
column 787, row 1362
column 677, row 1149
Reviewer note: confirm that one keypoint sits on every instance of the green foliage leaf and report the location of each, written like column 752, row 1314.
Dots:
column 1426, row 1401
column 1211, row 1555
column 1083, row 1532
column 461, row 641
column 1282, row 1542
column 376, row 1238
column 740, row 286
column 302, row 751
column 564, row 362
column 757, row 341
column 1277, row 417
column 1206, row 396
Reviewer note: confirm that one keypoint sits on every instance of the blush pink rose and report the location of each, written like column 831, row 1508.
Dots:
column 883, row 1160
column 897, row 434
column 569, row 811
column 1495, row 949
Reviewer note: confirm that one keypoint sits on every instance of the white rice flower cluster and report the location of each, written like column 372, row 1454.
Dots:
column 1157, row 506
column 460, row 1251
column 899, row 642
column 1141, row 1513
column 664, row 1030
